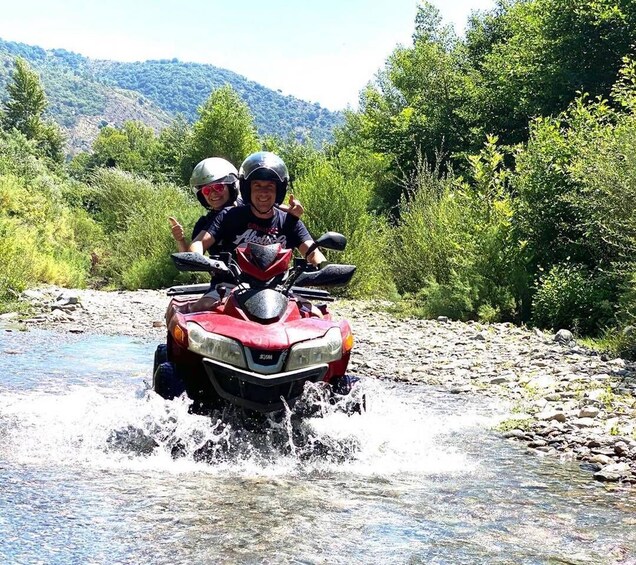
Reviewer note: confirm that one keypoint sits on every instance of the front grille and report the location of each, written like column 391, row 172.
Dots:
column 260, row 392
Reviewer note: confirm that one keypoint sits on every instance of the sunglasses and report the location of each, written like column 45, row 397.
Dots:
column 213, row 187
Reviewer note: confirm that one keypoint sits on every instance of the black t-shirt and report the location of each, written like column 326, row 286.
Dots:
column 239, row 226
column 204, row 222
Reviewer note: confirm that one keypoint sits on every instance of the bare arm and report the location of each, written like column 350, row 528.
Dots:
column 316, row 257
column 201, row 242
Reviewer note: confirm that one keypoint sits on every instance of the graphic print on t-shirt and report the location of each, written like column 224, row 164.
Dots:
column 263, row 235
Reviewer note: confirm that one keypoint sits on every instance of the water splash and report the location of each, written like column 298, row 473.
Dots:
column 114, row 426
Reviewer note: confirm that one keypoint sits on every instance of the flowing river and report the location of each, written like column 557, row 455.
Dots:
column 95, row 468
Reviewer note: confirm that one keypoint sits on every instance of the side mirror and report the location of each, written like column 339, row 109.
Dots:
column 329, row 240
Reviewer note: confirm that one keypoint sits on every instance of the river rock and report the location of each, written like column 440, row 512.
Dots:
column 588, row 412
column 548, row 415
column 600, row 459
column 613, row 472
column 563, row 336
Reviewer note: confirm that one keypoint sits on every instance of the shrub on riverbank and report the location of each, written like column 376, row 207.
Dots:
column 133, row 213
column 42, row 240
column 455, row 255
column 336, row 197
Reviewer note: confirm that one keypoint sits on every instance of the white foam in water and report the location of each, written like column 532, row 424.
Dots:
column 116, row 427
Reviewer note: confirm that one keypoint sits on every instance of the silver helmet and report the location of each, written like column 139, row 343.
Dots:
column 214, row 170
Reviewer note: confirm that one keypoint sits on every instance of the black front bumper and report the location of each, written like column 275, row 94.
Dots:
column 255, row 391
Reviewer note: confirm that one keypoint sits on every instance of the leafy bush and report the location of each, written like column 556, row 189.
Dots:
column 336, row 196
column 134, row 215
column 456, row 256
column 39, row 238
column 568, row 296
column 16, row 257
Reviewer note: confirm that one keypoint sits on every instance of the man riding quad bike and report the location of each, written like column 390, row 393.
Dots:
column 264, row 336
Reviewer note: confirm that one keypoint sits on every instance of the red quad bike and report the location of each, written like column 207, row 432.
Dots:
column 254, row 342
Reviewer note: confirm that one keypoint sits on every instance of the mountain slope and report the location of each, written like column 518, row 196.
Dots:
column 86, row 94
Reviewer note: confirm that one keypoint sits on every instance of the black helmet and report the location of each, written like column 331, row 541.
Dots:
column 211, row 170
column 263, row 166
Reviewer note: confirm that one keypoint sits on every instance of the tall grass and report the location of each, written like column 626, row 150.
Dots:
column 42, row 239
column 454, row 247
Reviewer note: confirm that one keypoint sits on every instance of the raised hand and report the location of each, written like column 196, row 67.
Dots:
column 295, row 208
column 177, row 229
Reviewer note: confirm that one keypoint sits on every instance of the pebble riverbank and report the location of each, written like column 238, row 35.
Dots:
column 564, row 400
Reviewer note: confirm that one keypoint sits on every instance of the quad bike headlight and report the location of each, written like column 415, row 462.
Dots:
column 316, row 351
column 215, row 346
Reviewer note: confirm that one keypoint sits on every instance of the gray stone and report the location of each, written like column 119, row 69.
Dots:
column 588, row 412
column 563, row 336
column 498, row 380
column 584, row 422
column 9, row 316
column 515, row 434
column 548, row 415
column 600, row 459
column 613, row 472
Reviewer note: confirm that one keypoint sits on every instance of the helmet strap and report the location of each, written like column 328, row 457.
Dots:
column 263, row 213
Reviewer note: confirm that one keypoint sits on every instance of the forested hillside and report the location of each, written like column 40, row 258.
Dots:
column 85, row 94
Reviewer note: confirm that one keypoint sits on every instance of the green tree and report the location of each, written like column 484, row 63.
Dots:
column 225, row 128
column 24, row 111
column 413, row 109
column 172, row 163
column 531, row 58
column 130, row 148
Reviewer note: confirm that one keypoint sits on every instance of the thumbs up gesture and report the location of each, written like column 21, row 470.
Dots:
column 294, row 207
column 177, row 229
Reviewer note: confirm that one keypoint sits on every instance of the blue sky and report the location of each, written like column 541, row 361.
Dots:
column 323, row 52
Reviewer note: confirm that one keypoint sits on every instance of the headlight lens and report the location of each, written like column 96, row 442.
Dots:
column 316, row 351
column 215, row 346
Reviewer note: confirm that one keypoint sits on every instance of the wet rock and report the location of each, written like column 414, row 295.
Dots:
column 538, row 443
column 613, row 472
column 459, row 389
column 515, row 434
column 589, row 466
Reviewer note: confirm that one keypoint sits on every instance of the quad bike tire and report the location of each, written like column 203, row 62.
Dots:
column 166, row 381
column 161, row 356
column 342, row 386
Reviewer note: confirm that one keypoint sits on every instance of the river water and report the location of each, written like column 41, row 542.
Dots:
column 94, row 468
